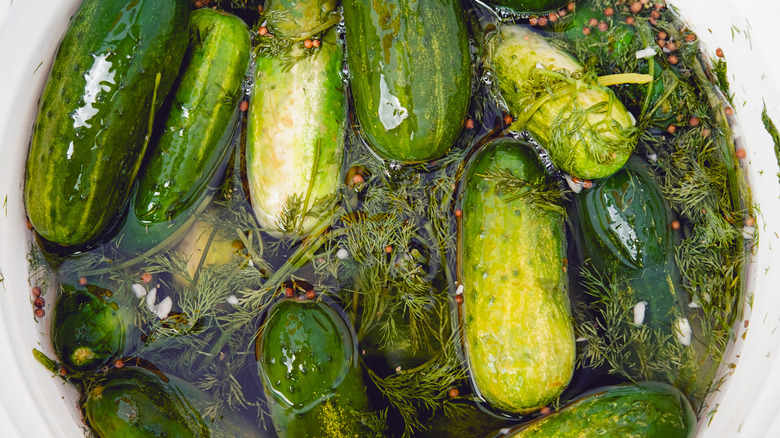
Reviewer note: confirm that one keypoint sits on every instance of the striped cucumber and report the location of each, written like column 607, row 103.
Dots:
column 516, row 316
column 295, row 136
column 582, row 125
column 183, row 164
column 645, row 409
column 114, row 67
column 410, row 73
column 308, row 365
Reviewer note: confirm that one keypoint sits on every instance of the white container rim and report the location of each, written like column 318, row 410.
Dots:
column 35, row 403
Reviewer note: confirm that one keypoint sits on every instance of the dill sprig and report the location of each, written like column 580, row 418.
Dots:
column 543, row 193
column 423, row 389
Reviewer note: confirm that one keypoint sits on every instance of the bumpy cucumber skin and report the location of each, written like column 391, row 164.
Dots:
column 182, row 165
column 295, row 135
column 645, row 409
column 297, row 18
column 530, row 5
column 624, row 226
column 410, row 75
column 517, row 319
column 87, row 330
column 309, row 370
column 589, row 146
column 89, row 136
column 132, row 402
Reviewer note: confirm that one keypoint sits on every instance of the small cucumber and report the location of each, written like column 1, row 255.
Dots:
column 531, row 5
column 645, row 409
column 585, row 129
column 410, row 74
column 206, row 245
column 516, row 317
column 295, row 136
column 114, row 67
column 298, row 18
column 90, row 327
column 308, row 365
column 184, row 162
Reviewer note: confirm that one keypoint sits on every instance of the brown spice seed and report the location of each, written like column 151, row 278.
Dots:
column 636, row 7
column 609, row 12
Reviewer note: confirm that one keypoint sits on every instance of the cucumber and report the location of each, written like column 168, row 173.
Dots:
column 645, row 409
column 298, row 18
column 90, row 327
column 134, row 402
column 410, row 74
column 295, row 136
column 624, row 226
column 587, row 132
column 308, row 365
column 531, row 5
column 516, row 317
column 114, row 67
column 183, row 164
column 206, row 245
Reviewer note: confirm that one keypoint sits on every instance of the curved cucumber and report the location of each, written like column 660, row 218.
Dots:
column 187, row 156
column 582, row 125
column 90, row 328
column 115, row 65
column 295, row 137
column 410, row 75
column 308, row 364
column 516, row 316
column 646, row 409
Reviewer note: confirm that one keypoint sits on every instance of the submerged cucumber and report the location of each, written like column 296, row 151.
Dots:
column 308, row 365
column 645, row 409
column 134, row 402
column 410, row 73
column 582, row 125
column 90, row 328
column 516, row 318
column 114, row 66
column 295, row 137
column 183, row 163
column 624, row 226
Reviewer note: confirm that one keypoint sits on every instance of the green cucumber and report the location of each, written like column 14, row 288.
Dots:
column 91, row 327
column 308, row 365
column 205, row 245
column 516, row 318
column 114, row 67
column 133, row 402
column 531, row 5
column 585, row 129
column 295, row 136
column 645, row 409
column 410, row 74
column 184, row 162
column 297, row 18
column 624, row 229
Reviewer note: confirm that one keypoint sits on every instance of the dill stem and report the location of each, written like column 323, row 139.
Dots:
column 625, row 78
